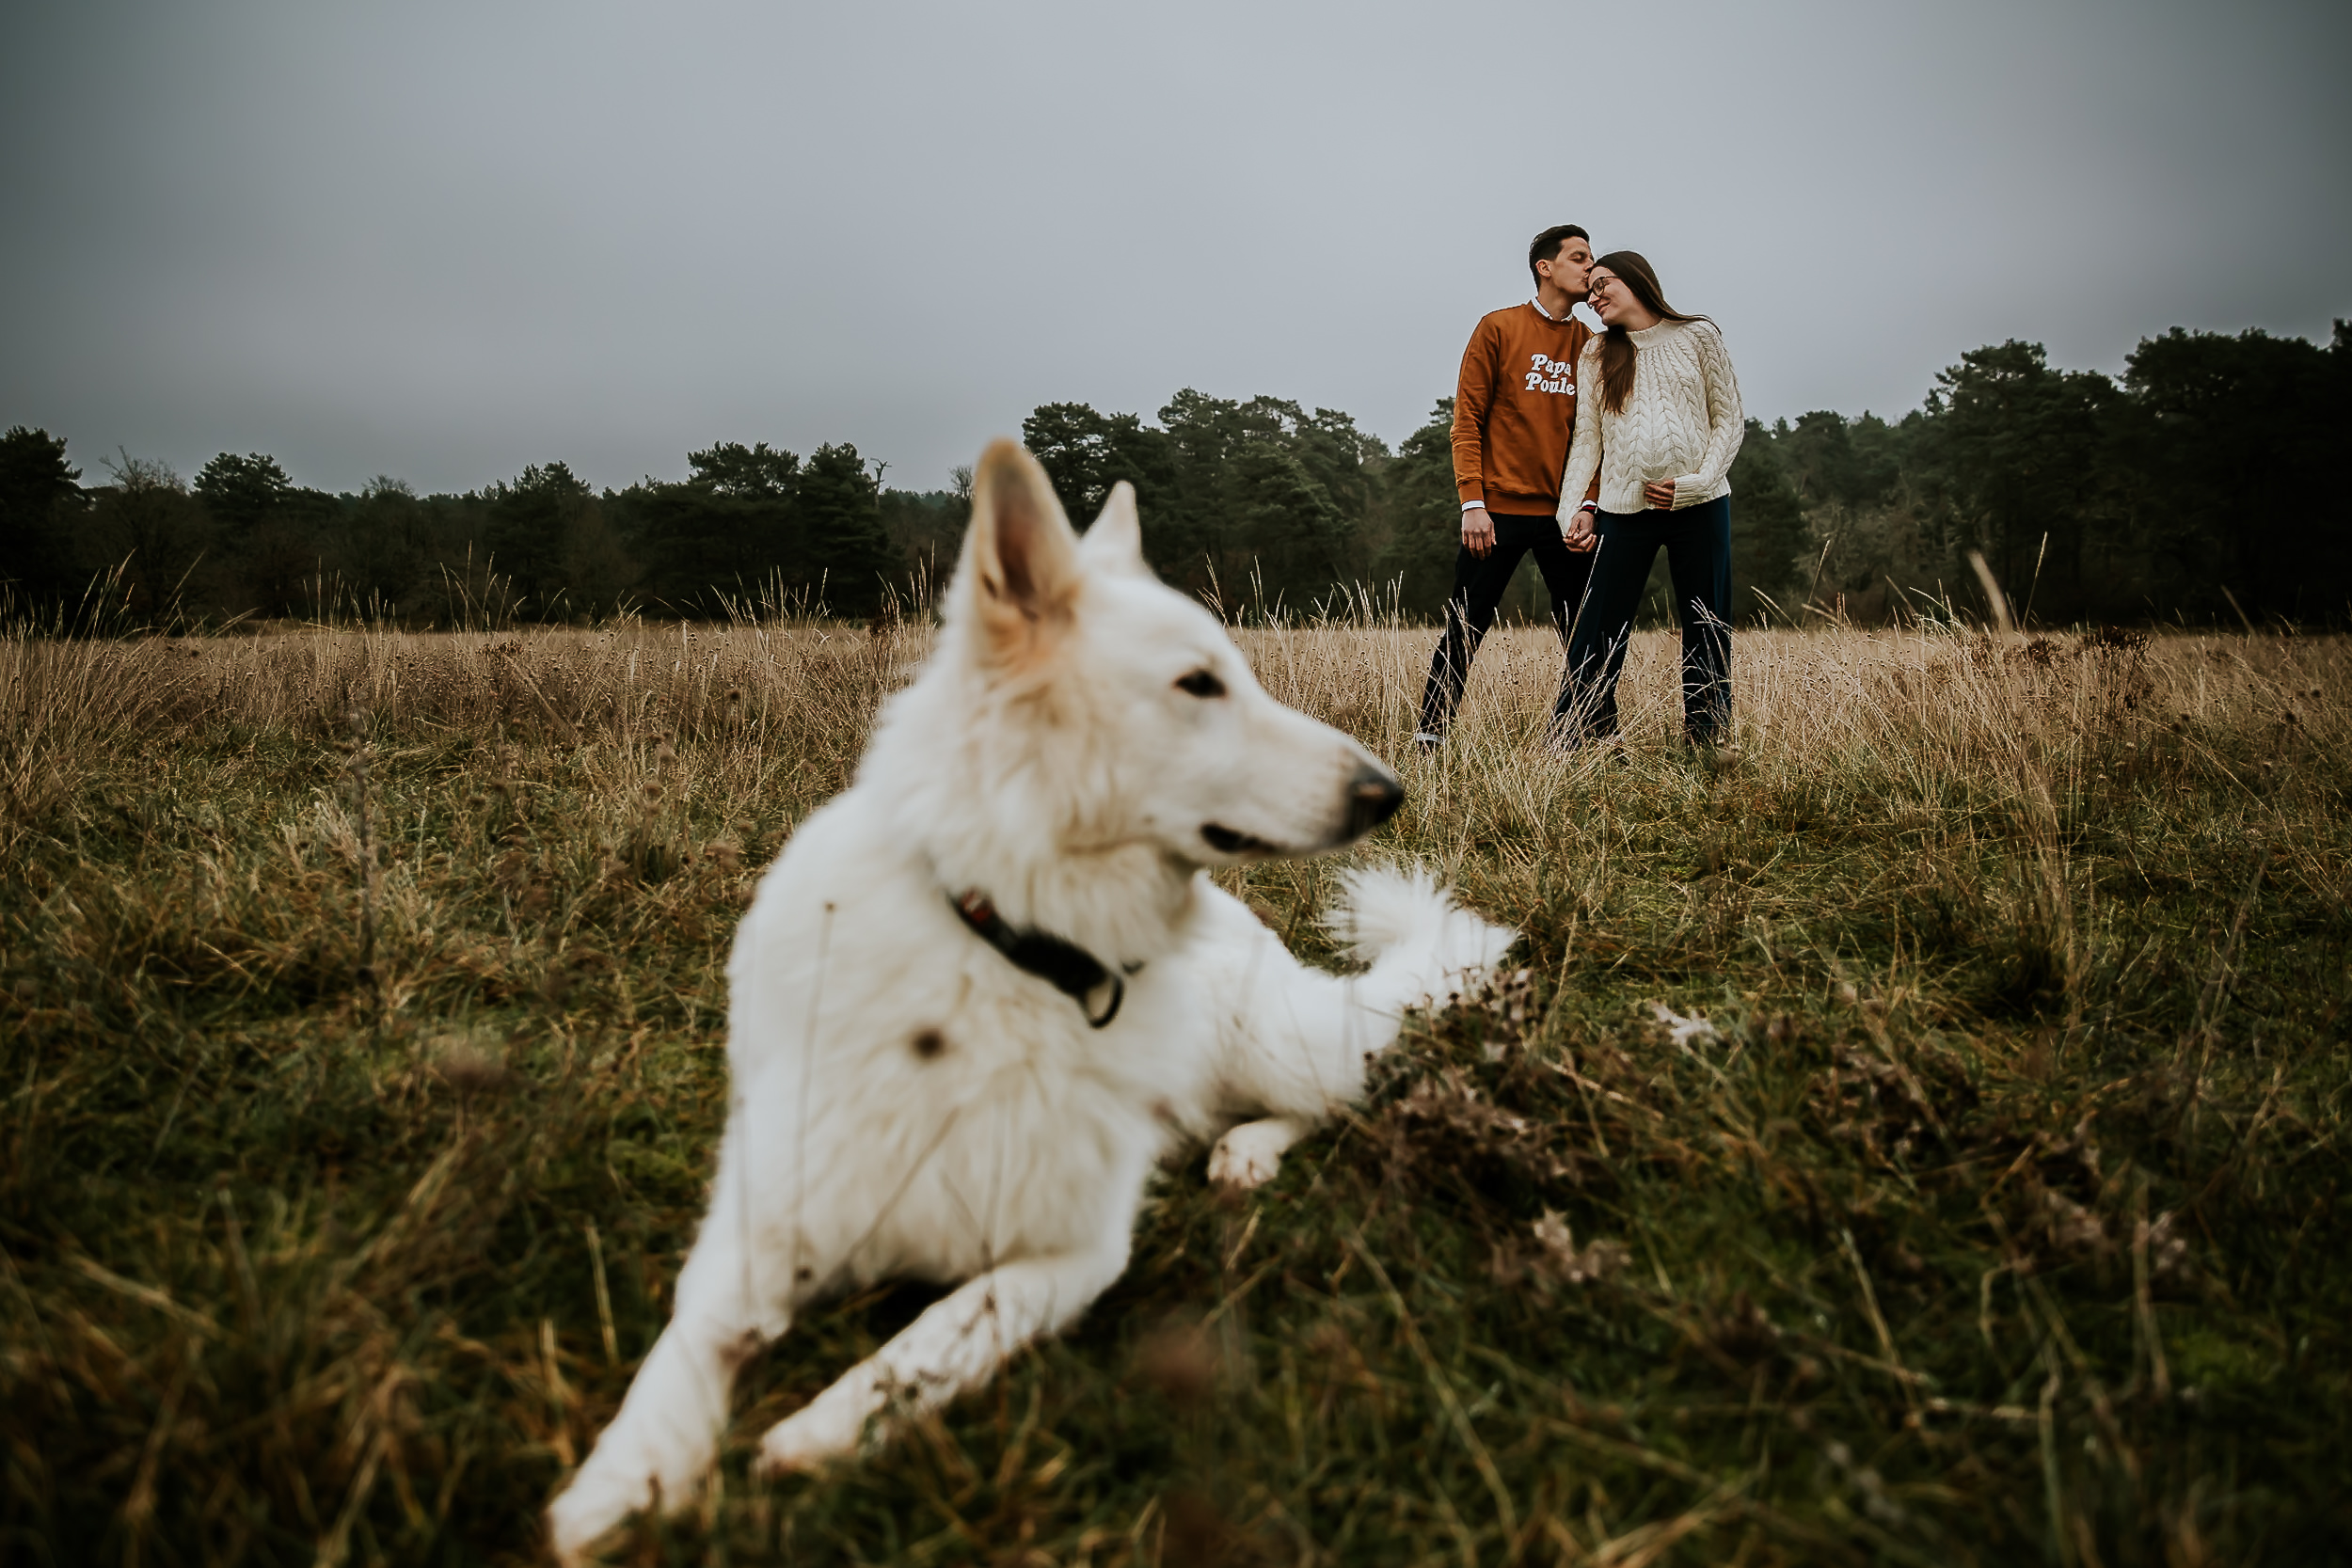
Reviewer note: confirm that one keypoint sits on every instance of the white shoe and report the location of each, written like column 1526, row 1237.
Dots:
column 1428, row 740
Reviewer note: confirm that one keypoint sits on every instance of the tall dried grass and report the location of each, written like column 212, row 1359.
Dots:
column 1913, row 1137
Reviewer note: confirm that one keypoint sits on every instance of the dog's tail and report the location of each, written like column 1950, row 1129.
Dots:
column 1421, row 945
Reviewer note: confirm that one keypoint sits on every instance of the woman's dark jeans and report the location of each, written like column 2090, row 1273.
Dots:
column 1697, row 540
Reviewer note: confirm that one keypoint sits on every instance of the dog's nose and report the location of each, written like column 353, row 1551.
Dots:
column 1372, row 797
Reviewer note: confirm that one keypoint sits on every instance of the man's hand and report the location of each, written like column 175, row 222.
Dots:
column 1478, row 531
column 1660, row 494
column 1580, row 536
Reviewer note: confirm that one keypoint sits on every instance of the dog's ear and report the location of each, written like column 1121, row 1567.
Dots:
column 1020, row 557
column 1114, row 543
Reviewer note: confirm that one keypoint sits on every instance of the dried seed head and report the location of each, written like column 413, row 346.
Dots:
column 464, row 1067
column 1562, row 1260
column 2167, row 1250
column 2071, row 1226
column 1180, row 1363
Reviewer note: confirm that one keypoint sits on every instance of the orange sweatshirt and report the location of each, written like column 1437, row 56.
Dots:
column 1513, row 409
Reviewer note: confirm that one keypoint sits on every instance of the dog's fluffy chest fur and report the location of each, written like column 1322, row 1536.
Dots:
column 952, row 1110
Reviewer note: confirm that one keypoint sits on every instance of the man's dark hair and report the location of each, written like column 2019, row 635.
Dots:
column 1546, row 245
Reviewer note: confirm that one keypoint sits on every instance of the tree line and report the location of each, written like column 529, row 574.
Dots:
column 2197, row 485
column 2200, row 485
column 751, row 527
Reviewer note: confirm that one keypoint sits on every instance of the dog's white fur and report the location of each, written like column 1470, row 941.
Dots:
column 909, row 1104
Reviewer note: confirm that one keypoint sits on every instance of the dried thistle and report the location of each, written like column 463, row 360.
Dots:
column 2166, row 1248
column 462, row 1064
column 1559, row 1260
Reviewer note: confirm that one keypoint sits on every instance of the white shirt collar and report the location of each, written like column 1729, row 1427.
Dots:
column 1538, row 303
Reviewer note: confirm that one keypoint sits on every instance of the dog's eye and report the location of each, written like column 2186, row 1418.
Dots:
column 1202, row 683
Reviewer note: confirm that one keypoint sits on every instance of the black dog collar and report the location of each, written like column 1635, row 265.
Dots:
column 1068, row 968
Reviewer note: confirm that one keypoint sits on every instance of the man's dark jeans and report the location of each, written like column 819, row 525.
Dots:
column 1478, row 585
column 1697, row 540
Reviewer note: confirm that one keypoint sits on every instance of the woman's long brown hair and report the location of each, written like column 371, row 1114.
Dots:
column 1618, row 353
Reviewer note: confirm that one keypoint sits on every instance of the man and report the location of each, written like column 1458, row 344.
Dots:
column 1513, row 410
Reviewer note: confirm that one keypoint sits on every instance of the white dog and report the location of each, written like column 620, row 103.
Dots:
column 984, row 990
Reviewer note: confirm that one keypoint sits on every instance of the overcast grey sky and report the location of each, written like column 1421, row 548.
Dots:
column 443, row 241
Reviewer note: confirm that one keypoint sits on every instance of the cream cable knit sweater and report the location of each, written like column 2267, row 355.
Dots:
column 1682, row 422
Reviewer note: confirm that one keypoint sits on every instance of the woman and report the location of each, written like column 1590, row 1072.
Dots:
column 1662, row 434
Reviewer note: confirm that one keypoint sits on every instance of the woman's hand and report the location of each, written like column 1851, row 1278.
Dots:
column 1579, row 534
column 1660, row 494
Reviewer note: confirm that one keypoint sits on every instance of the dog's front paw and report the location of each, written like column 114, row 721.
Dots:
column 1250, row 1155
column 825, row 1430
column 593, row 1504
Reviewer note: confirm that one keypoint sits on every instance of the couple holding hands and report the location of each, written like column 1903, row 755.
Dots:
column 1640, row 423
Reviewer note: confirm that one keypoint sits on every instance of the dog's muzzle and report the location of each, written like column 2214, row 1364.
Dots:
column 1372, row 797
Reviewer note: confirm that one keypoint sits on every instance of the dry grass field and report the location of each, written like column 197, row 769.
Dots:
column 360, row 1014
